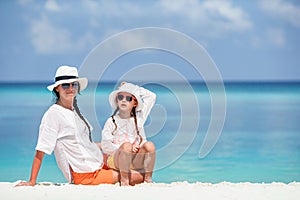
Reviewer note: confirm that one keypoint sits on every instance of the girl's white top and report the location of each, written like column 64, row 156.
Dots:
column 63, row 131
column 126, row 130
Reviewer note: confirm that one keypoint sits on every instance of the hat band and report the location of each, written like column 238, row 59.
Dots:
column 59, row 78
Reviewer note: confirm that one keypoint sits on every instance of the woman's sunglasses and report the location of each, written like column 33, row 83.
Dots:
column 121, row 97
column 66, row 86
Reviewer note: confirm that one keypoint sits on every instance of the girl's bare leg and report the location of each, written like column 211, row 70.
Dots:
column 122, row 160
column 136, row 177
column 149, row 161
column 144, row 160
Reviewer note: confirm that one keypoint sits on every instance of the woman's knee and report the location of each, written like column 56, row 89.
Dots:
column 115, row 176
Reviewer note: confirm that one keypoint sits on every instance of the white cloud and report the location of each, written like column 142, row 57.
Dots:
column 48, row 38
column 215, row 17
column 114, row 9
column 209, row 18
column 212, row 18
column 283, row 10
column 52, row 5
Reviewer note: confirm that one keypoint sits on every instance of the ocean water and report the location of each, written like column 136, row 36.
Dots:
column 259, row 142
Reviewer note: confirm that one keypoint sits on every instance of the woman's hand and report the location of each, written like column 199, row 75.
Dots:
column 37, row 161
column 23, row 183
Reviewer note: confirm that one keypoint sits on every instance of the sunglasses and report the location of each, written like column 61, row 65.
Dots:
column 66, row 86
column 121, row 97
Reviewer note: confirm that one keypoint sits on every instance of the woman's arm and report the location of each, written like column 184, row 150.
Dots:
column 37, row 161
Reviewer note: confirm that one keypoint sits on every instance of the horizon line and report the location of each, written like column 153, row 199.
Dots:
column 153, row 82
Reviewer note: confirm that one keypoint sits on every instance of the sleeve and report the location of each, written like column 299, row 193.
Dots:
column 149, row 99
column 144, row 138
column 107, row 144
column 48, row 132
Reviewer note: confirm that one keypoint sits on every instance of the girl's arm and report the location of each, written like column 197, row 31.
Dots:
column 107, row 144
column 149, row 99
column 37, row 161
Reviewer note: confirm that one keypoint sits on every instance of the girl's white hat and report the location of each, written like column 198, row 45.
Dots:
column 129, row 88
column 67, row 74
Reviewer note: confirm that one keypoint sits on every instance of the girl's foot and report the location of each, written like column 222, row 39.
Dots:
column 124, row 183
column 148, row 178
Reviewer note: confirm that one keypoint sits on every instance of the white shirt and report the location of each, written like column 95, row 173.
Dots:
column 126, row 131
column 63, row 131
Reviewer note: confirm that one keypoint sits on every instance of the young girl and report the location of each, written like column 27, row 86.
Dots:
column 123, row 136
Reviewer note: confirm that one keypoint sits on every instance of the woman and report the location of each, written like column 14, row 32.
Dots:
column 123, row 136
column 65, row 131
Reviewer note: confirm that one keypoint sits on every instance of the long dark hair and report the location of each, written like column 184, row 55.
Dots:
column 75, row 105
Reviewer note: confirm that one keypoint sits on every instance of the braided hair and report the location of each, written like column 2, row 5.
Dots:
column 114, row 121
column 82, row 118
column 57, row 96
column 132, row 114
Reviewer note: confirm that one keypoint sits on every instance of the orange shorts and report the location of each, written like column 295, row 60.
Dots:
column 100, row 176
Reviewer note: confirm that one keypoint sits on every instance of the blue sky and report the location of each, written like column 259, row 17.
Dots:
column 247, row 40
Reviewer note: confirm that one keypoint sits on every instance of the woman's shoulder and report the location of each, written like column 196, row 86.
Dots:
column 50, row 111
column 56, row 110
column 53, row 109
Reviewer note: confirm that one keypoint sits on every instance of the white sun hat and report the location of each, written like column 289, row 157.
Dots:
column 67, row 74
column 129, row 88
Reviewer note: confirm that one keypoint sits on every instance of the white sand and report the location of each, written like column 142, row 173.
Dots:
column 178, row 190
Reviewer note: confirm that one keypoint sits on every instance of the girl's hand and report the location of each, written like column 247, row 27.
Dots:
column 135, row 148
column 122, row 83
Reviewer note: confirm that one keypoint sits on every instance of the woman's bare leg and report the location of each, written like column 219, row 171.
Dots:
column 115, row 175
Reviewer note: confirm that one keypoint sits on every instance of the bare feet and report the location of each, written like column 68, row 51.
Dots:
column 22, row 183
column 124, row 179
column 148, row 178
column 124, row 183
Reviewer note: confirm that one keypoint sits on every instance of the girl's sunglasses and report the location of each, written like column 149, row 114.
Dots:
column 66, row 86
column 121, row 97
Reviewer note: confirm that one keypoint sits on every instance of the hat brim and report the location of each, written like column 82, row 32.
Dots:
column 83, row 82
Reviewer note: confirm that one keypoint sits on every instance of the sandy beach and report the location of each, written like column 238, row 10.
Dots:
column 176, row 190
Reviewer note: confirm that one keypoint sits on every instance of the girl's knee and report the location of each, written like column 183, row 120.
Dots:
column 149, row 147
column 126, row 146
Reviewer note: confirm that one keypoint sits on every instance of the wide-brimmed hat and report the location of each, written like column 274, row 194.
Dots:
column 67, row 74
column 129, row 88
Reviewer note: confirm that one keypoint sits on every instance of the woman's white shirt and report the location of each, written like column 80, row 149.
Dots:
column 62, row 131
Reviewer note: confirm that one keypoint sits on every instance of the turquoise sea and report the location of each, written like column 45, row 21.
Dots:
column 259, row 142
